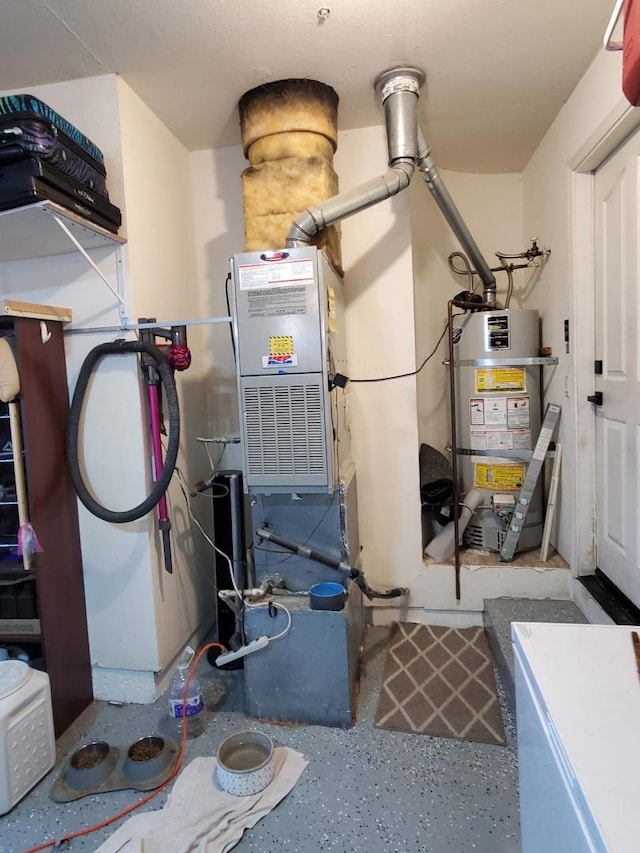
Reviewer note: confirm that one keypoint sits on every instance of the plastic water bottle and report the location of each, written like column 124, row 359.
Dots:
column 194, row 713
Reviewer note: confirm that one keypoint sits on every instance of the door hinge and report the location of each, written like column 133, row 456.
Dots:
column 597, row 367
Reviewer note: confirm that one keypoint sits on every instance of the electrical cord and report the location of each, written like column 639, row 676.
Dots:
column 232, row 575
column 413, row 372
column 213, row 465
column 226, row 294
column 255, row 606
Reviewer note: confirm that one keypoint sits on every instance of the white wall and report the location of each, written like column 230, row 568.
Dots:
column 376, row 250
column 557, row 209
column 219, row 227
column 162, row 272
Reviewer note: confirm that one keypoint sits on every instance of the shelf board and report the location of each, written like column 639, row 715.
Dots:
column 32, row 232
column 12, row 308
column 20, row 628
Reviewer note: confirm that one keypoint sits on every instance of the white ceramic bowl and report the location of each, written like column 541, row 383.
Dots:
column 246, row 763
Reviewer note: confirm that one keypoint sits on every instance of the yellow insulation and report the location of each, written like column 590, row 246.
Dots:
column 289, row 134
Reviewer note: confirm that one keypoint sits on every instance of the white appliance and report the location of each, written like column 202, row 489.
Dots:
column 27, row 742
column 578, row 724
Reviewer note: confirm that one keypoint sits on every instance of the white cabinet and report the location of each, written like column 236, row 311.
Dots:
column 578, row 723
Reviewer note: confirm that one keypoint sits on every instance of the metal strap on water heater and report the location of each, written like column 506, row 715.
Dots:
column 533, row 472
column 529, row 361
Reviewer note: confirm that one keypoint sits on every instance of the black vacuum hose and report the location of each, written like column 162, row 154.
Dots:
column 160, row 486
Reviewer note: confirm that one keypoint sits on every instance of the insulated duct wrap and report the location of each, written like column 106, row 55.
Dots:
column 289, row 136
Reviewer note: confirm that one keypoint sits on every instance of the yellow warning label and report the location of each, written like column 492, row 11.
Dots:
column 501, row 476
column 281, row 345
column 500, row 379
column 331, row 304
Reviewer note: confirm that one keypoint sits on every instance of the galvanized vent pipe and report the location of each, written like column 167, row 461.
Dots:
column 432, row 179
column 398, row 89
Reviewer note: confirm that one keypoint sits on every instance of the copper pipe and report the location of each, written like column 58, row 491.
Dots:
column 454, row 450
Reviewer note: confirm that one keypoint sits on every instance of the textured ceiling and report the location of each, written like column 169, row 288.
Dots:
column 497, row 70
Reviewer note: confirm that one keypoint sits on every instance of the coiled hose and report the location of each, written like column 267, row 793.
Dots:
column 160, row 486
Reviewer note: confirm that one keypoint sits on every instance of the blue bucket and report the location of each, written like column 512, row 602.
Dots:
column 327, row 596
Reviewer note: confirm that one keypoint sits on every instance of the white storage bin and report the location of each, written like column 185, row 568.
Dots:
column 27, row 741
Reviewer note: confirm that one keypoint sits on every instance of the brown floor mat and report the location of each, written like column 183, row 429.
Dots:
column 440, row 681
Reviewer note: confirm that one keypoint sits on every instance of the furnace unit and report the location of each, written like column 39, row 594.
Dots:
column 290, row 347
column 291, row 376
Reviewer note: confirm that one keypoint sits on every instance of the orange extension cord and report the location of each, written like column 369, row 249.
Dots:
column 150, row 796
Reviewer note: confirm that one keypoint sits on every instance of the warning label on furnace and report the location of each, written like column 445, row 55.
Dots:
column 281, row 274
column 277, row 302
column 280, row 344
column 489, row 379
column 281, row 352
column 499, row 476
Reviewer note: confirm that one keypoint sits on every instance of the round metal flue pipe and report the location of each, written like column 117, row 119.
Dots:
column 399, row 88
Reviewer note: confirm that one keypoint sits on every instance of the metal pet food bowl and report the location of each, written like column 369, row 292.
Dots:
column 147, row 759
column 327, row 596
column 90, row 765
column 246, row 763
column 98, row 767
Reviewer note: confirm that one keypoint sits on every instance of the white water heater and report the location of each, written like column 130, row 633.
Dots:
column 498, row 414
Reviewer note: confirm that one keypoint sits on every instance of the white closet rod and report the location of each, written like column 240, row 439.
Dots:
column 608, row 41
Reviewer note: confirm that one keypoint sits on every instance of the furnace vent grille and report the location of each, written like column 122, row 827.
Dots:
column 285, row 431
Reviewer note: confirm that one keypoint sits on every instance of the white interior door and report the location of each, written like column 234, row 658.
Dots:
column 618, row 418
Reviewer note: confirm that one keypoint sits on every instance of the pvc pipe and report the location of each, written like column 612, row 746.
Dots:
column 442, row 545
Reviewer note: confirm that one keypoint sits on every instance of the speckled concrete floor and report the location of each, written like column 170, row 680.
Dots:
column 365, row 790
column 498, row 615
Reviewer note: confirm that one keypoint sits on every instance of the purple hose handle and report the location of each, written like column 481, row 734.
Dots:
column 163, row 512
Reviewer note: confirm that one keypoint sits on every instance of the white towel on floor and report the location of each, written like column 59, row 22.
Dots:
column 199, row 817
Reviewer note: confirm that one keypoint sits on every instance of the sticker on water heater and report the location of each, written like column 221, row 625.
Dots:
column 290, row 360
column 518, row 413
column 476, row 411
column 498, row 476
column 491, row 379
column 496, row 440
column 495, row 412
